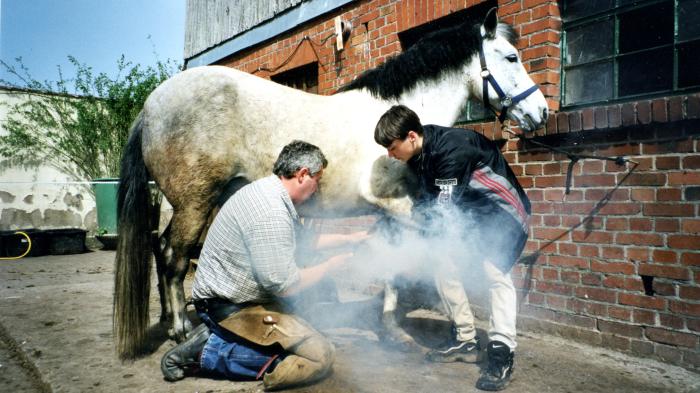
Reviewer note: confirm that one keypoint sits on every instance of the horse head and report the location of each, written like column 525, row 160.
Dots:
column 504, row 86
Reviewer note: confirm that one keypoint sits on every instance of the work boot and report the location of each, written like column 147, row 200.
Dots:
column 184, row 357
column 454, row 350
column 496, row 376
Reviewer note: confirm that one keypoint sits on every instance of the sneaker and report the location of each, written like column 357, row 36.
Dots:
column 456, row 351
column 496, row 376
column 184, row 357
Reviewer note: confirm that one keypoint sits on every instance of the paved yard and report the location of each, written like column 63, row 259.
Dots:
column 55, row 335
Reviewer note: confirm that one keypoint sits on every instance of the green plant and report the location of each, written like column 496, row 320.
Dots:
column 79, row 130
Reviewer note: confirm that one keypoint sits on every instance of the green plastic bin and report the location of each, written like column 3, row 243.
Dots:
column 106, row 201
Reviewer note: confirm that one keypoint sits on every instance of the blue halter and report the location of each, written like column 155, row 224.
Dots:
column 506, row 100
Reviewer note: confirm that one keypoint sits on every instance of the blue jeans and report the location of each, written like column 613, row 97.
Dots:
column 232, row 357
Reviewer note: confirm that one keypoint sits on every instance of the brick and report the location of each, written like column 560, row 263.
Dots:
column 691, row 225
column 614, row 116
column 591, row 279
column 693, row 107
column 677, row 273
column 549, row 181
column 641, row 348
column 680, row 307
column 615, row 342
column 604, row 180
column 689, row 292
column 643, row 194
column 598, row 294
column 659, row 110
column 618, row 224
column 675, row 108
column 668, row 209
column 640, row 239
column 600, row 115
column 562, row 122
column 646, row 179
column 668, row 194
column 644, row 317
column 684, row 178
column 638, row 254
column 666, row 225
column 662, row 288
column 667, row 353
column 566, row 261
column 620, row 329
column 556, row 302
column 570, row 277
column 540, row 25
column 693, row 324
column 610, row 253
column 671, row 321
column 641, row 301
column 668, row 147
column 664, row 256
column 588, row 118
column 690, row 259
column 666, row 163
column 690, row 242
column 640, row 224
column 551, row 126
column 550, row 233
column 612, row 267
column 588, row 251
column 623, row 314
column 671, row 337
column 592, row 237
column 629, row 114
column 644, row 112
column 619, row 209
column 691, row 162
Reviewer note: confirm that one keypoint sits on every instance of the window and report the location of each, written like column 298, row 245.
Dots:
column 303, row 78
column 624, row 49
column 473, row 111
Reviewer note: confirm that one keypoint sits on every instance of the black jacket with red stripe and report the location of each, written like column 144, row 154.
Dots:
column 467, row 169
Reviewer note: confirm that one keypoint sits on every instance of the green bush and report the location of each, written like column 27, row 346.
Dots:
column 79, row 130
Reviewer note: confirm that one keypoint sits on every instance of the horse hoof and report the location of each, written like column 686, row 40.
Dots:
column 180, row 335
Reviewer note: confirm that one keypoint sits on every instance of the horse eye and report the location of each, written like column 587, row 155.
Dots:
column 512, row 58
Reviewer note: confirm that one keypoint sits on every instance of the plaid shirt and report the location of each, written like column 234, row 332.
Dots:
column 248, row 254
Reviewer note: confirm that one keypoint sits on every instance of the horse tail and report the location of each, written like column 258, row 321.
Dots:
column 132, row 266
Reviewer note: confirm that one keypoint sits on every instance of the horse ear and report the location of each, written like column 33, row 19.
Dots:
column 488, row 29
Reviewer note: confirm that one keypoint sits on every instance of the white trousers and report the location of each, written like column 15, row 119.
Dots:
column 503, row 300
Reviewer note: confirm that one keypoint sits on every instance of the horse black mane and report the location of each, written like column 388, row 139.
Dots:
column 443, row 50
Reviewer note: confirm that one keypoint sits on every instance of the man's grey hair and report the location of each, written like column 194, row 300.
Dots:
column 297, row 155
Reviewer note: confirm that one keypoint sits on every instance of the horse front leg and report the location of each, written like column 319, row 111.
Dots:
column 393, row 334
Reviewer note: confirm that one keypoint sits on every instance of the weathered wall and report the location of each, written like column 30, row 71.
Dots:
column 36, row 196
column 594, row 249
column 210, row 22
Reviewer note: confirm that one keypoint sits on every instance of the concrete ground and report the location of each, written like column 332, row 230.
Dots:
column 56, row 335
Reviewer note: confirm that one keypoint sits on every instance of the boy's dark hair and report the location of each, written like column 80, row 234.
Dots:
column 296, row 155
column 395, row 124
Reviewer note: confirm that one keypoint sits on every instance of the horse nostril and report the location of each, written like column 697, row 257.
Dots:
column 545, row 114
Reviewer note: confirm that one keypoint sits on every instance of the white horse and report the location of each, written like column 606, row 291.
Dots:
column 208, row 128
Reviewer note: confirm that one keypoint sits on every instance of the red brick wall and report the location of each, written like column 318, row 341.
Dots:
column 593, row 246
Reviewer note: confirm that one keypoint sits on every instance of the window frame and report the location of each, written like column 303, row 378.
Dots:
column 615, row 12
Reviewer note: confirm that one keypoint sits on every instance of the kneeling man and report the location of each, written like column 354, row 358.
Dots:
column 246, row 269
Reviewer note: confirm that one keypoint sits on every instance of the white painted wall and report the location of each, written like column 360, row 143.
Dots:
column 40, row 196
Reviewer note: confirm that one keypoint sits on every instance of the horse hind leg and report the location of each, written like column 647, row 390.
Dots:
column 393, row 334
column 186, row 226
column 161, row 245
